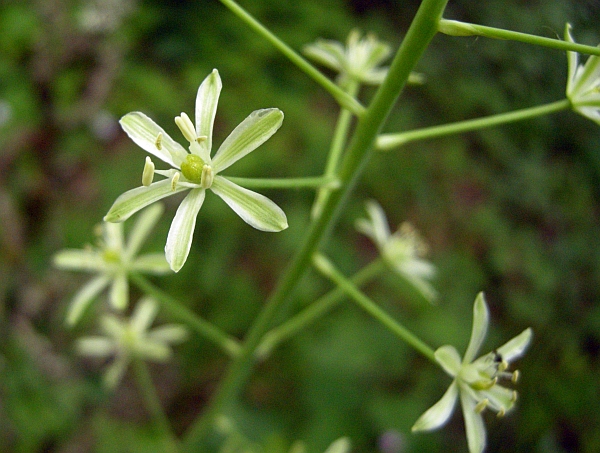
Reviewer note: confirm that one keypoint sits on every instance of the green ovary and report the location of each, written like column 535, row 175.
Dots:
column 191, row 168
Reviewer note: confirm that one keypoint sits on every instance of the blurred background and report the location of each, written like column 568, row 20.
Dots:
column 513, row 211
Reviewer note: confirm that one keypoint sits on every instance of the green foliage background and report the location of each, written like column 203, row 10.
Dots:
column 512, row 211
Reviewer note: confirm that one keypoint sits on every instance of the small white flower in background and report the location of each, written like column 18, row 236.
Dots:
column 358, row 61
column 341, row 445
column 196, row 171
column 402, row 250
column 127, row 340
column 476, row 382
column 112, row 261
column 583, row 84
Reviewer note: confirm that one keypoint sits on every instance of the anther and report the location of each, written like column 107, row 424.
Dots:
column 480, row 406
column 515, row 376
column 514, row 396
column 186, row 127
column 501, row 413
column 175, row 180
column 207, row 177
column 148, row 173
column 201, row 138
column 158, row 141
column 503, row 365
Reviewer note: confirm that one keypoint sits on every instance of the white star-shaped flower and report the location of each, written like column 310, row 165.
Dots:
column 112, row 261
column 125, row 340
column 403, row 250
column 476, row 381
column 583, row 84
column 197, row 171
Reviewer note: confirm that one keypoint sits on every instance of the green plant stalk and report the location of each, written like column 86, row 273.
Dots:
column 326, row 267
column 183, row 314
column 338, row 143
column 315, row 310
column 457, row 28
column 286, row 183
column 343, row 98
column 154, row 406
column 418, row 36
column 388, row 141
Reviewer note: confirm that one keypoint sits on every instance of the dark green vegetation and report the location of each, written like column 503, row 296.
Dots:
column 512, row 211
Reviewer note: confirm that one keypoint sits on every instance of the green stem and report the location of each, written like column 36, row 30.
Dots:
column 343, row 98
column 314, row 311
column 338, row 144
column 327, row 268
column 286, row 183
column 154, row 406
column 183, row 314
column 388, row 141
column 457, row 28
column 418, row 36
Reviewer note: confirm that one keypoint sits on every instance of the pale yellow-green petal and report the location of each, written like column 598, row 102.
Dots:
column 481, row 317
column 438, row 414
column 256, row 129
column 181, row 233
column 254, row 209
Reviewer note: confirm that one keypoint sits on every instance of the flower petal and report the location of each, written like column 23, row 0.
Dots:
column 133, row 200
column 151, row 263
column 206, row 109
column 254, row 209
column 79, row 260
column 473, row 424
column 438, row 414
column 256, row 129
column 448, row 357
column 516, row 347
column 95, row 346
column 572, row 61
column 181, row 232
column 119, row 292
column 170, row 333
column 144, row 132
column 84, row 297
column 330, row 54
column 341, row 445
column 144, row 223
column 380, row 229
column 480, row 324
column 143, row 315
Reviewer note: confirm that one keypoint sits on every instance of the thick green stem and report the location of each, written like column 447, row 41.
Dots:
column 389, row 141
column 327, row 268
column 183, row 314
column 457, row 28
column 420, row 33
column 343, row 98
column 340, row 136
column 286, row 183
column 154, row 406
column 315, row 311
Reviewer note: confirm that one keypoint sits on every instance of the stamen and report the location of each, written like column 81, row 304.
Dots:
column 501, row 413
column 186, row 127
column 207, row 177
column 175, row 180
column 148, row 173
column 503, row 365
column 514, row 396
column 479, row 408
column 484, row 384
column 515, row 376
column 201, row 138
column 158, row 141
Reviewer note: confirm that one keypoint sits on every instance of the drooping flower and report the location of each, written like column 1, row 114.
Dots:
column 476, row 381
column 126, row 340
column 113, row 260
column 583, row 84
column 403, row 250
column 197, row 171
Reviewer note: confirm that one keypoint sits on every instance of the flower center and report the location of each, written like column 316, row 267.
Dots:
column 195, row 170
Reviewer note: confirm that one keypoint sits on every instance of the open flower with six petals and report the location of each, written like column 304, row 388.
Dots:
column 196, row 171
column 476, row 381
